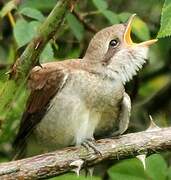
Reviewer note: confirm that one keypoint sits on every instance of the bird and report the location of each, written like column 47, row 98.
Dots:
column 77, row 100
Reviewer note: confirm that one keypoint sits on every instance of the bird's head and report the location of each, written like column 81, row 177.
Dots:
column 114, row 49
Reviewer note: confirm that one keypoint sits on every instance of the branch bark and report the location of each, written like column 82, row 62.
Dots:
column 61, row 161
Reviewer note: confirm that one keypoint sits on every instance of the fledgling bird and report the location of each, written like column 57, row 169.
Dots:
column 75, row 100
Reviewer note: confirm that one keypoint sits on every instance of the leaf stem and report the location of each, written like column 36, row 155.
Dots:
column 11, row 19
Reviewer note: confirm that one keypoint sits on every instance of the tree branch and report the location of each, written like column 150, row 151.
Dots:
column 61, row 161
column 30, row 57
column 48, row 29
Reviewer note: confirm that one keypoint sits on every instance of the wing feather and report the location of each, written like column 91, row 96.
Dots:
column 44, row 84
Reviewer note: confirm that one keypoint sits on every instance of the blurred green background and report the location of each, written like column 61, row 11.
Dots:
column 150, row 91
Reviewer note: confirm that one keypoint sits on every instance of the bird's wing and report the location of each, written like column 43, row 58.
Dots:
column 44, row 83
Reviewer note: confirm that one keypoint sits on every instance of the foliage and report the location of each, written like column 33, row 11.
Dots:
column 156, row 169
column 73, row 177
column 20, row 22
column 165, row 29
column 7, row 8
column 75, row 26
column 132, row 169
column 25, row 30
column 32, row 13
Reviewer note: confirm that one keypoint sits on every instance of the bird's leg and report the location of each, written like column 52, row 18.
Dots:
column 124, row 116
column 90, row 143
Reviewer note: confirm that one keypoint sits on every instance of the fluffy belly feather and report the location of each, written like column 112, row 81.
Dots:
column 76, row 115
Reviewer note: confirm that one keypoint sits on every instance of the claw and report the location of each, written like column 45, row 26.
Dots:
column 90, row 143
column 78, row 165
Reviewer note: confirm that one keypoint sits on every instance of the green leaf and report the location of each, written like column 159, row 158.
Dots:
column 24, row 31
column 34, row 25
column 7, row 8
column 139, row 27
column 75, row 26
column 169, row 173
column 7, row 94
column 124, row 16
column 47, row 54
column 156, row 167
column 74, row 177
column 130, row 169
column 43, row 5
column 100, row 4
column 111, row 16
column 165, row 27
column 32, row 13
column 16, row 99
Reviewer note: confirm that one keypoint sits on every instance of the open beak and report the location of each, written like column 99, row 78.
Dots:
column 127, row 35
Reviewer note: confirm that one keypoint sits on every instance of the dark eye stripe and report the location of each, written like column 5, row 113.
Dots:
column 112, row 49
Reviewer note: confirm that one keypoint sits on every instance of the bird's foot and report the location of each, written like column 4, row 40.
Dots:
column 116, row 135
column 90, row 143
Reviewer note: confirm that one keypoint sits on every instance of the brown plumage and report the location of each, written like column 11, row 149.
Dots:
column 75, row 100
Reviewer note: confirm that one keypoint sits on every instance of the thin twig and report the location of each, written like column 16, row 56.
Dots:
column 87, row 26
column 90, row 13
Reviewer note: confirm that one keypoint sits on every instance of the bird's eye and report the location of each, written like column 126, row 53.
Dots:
column 114, row 43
